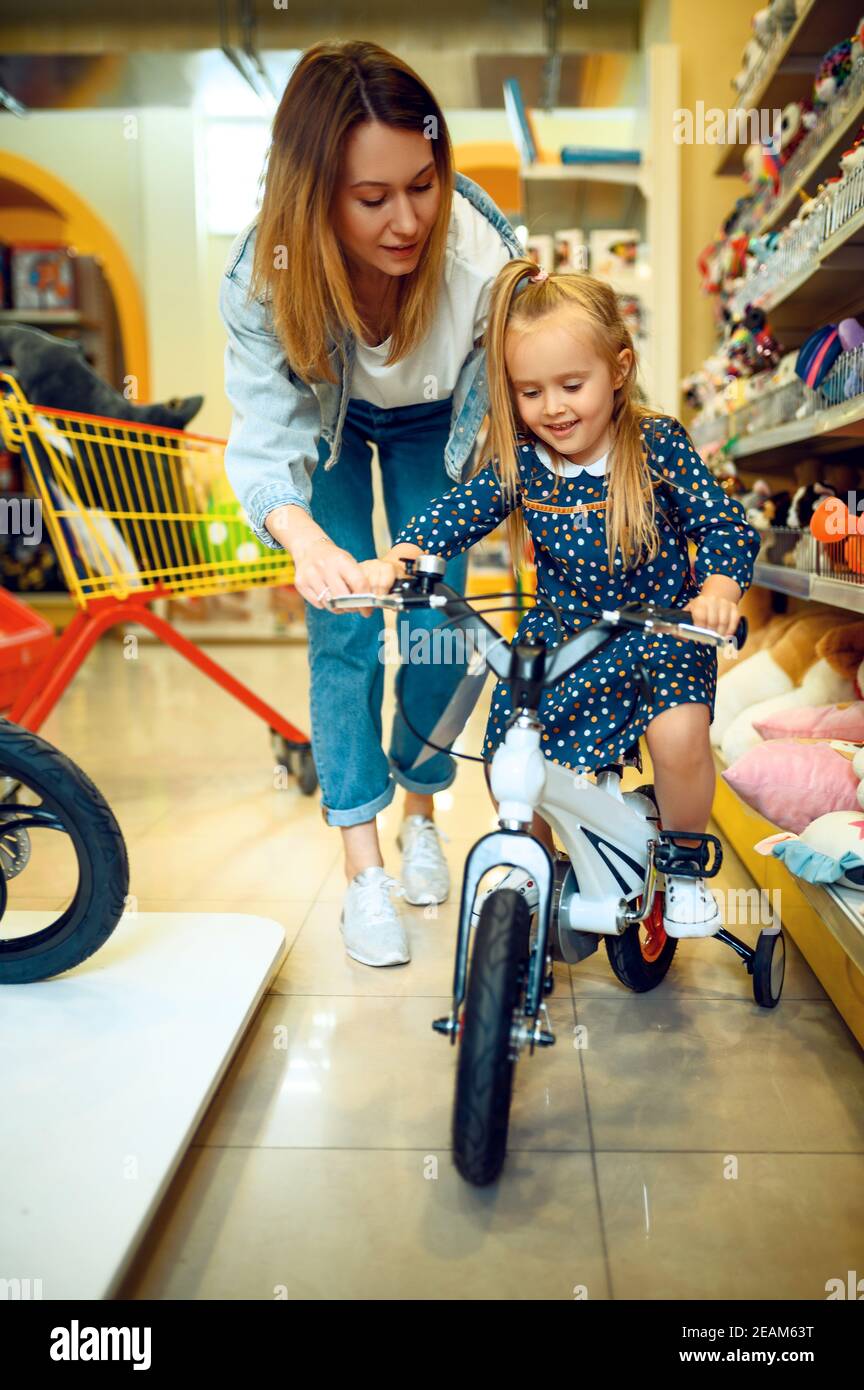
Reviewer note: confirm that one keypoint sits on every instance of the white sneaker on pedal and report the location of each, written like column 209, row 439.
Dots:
column 690, row 909
column 370, row 924
column 519, row 881
column 425, row 873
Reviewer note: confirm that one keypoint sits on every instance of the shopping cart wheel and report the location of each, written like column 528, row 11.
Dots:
column 58, row 838
column 297, row 759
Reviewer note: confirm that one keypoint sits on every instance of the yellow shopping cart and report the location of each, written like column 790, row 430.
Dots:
column 136, row 513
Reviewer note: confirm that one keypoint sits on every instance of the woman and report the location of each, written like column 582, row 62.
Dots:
column 354, row 305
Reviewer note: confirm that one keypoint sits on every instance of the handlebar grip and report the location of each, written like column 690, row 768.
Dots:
column 740, row 633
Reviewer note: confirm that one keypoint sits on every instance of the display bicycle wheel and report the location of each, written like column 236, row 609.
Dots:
column 62, row 857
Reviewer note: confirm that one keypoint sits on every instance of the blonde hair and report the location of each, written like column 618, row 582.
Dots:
column 631, row 509
column 298, row 261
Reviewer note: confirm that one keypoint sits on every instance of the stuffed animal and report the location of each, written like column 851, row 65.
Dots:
column 832, row 74
column 796, row 121
column 784, row 13
column 794, row 781
column 852, row 337
column 792, row 671
column 822, row 673
column 831, row 848
column 764, row 26
column 54, row 372
column 752, row 56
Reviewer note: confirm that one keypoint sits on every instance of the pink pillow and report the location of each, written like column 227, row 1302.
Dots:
column 844, row 721
column 790, row 783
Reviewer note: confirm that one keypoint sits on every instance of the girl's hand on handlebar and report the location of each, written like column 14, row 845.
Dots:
column 324, row 565
column 379, row 576
column 710, row 610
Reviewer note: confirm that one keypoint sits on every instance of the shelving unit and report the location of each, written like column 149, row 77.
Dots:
column 783, row 76
column 815, row 587
column 628, row 174
column 819, row 166
column 645, row 196
column 823, row 921
column 827, row 286
column 41, row 317
column 837, row 423
column 841, row 911
column 826, row 923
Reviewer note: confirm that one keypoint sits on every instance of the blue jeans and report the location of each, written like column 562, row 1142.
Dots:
column 346, row 650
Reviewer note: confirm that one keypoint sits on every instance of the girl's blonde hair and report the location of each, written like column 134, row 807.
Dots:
column 298, row 262
column 630, row 511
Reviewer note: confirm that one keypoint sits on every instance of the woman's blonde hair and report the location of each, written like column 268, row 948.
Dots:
column 630, row 511
column 298, row 262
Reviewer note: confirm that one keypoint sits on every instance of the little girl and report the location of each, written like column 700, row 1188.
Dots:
column 610, row 492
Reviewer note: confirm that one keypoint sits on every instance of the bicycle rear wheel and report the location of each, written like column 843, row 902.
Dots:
column 641, row 957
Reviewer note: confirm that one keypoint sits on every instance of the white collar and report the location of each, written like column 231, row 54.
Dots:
column 568, row 469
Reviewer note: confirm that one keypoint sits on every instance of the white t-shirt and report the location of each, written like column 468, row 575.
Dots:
column 474, row 255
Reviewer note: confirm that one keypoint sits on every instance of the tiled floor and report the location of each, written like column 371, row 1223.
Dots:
column 681, row 1144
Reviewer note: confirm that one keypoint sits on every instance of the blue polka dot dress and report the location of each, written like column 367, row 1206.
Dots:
column 594, row 715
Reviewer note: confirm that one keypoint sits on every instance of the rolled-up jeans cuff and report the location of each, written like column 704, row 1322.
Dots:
column 424, row 788
column 360, row 814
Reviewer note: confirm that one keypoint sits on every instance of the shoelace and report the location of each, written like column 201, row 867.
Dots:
column 424, row 847
column 370, row 892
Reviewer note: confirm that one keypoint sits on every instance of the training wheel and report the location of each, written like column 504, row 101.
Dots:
column 769, row 968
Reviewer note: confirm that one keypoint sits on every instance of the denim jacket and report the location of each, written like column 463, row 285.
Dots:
column 272, row 449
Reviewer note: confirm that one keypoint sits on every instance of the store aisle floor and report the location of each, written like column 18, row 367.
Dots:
column 682, row 1144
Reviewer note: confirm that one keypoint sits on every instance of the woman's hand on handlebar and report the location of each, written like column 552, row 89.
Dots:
column 322, row 565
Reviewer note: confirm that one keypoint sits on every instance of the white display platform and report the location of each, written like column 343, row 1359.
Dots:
column 106, row 1074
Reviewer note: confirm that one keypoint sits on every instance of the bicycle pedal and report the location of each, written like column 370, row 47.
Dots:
column 687, row 861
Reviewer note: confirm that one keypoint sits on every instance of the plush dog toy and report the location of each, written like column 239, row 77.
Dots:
column 792, row 671
column 55, row 373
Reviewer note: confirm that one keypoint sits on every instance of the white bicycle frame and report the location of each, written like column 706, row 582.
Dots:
column 606, row 833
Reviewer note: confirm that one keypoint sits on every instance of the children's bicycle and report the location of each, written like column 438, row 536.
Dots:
column 604, row 886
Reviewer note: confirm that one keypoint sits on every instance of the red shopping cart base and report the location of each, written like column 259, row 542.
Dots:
column 41, row 691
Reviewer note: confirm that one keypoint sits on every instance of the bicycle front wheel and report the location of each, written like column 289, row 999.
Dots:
column 484, row 1079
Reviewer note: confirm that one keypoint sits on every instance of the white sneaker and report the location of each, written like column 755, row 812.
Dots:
column 690, row 909
column 425, row 873
column 370, row 924
column 519, row 881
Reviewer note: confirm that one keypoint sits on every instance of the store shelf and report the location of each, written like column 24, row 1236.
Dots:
column 788, row 73
column 823, row 163
column 841, row 420
column 821, row 920
column 816, row 587
column 828, row 288
column 635, row 175
column 37, row 316
column 842, row 911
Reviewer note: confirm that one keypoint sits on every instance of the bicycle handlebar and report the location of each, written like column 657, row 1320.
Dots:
column 425, row 589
